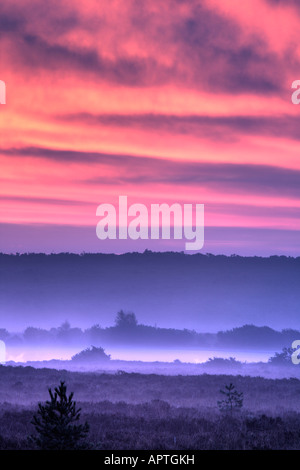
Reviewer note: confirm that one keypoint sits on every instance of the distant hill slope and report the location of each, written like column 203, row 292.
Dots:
column 201, row 292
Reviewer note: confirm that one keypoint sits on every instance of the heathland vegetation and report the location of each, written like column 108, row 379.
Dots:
column 140, row 411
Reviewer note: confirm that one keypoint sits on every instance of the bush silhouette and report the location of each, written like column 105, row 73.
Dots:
column 92, row 354
column 55, row 423
column 283, row 358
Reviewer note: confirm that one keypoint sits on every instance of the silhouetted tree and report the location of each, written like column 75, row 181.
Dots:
column 125, row 320
column 65, row 326
column 233, row 400
column 36, row 335
column 54, row 423
column 4, row 334
column 94, row 333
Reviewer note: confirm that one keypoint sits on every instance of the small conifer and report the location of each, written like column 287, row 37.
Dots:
column 55, row 423
column 233, row 400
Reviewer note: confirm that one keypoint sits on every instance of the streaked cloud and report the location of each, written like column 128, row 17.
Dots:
column 176, row 100
column 213, row 127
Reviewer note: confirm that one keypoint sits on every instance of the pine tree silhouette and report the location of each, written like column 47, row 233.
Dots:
column 55, row 423
column 233, row 401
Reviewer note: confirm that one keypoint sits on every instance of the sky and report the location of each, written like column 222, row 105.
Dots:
column 165, row 102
